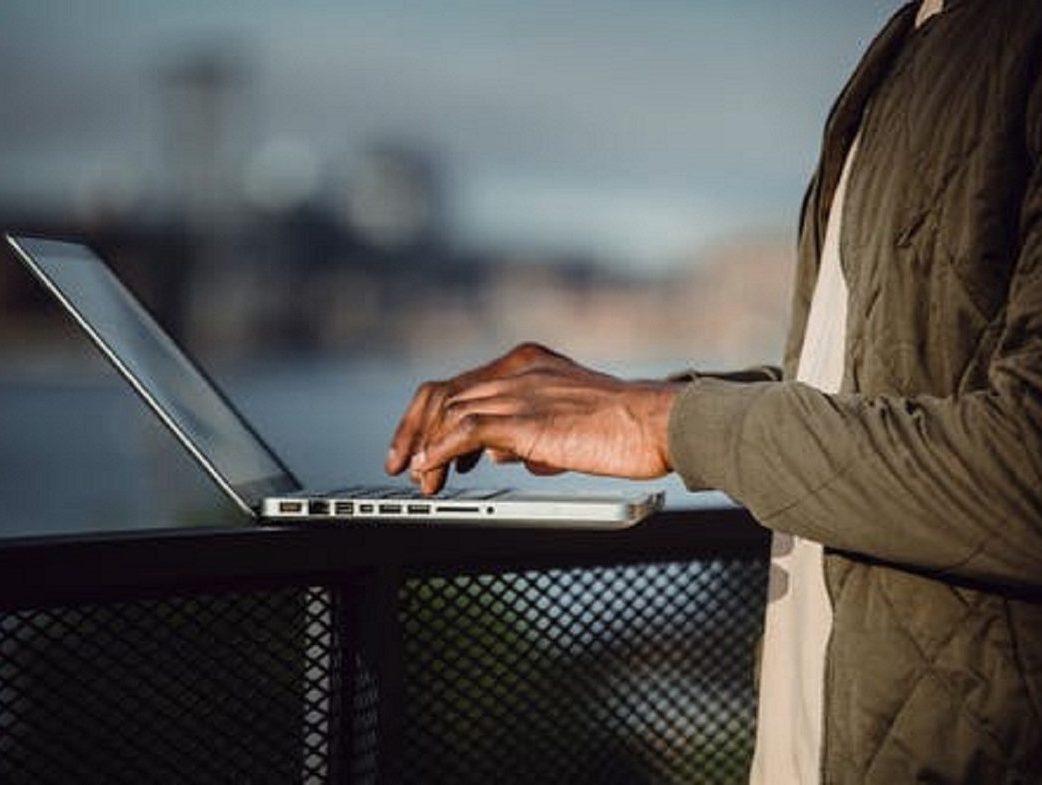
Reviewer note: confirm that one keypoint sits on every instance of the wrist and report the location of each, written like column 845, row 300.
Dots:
column 660, row 399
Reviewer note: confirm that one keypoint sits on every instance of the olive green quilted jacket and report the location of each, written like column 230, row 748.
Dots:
column 923, row 476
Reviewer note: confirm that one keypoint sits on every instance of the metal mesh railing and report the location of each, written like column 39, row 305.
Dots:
column 635, row 674
column 628, row 674
column 228, row 688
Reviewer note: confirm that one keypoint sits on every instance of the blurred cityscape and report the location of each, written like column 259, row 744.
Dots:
column 246, row 253
column 328, row 203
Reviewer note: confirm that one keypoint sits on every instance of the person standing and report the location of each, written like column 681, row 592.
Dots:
column 898, row 458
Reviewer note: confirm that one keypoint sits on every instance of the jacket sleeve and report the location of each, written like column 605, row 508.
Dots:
column 950, row 484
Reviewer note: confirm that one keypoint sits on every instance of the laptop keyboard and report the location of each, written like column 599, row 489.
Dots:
column 400, row 492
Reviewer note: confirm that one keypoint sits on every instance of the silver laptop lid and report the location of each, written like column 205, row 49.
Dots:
column 169, row 382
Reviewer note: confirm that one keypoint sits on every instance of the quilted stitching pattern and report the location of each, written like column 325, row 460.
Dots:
column 950, row 655
column 929, row 682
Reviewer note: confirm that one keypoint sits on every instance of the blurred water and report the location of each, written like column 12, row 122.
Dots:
column 82, row 453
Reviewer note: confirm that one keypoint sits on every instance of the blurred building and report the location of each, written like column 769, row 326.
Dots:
column 396, row 199
column 204, row 129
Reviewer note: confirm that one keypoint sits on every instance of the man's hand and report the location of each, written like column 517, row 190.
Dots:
column 535, row 406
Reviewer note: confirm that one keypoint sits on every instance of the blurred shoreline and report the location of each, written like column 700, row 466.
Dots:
column 281, row 292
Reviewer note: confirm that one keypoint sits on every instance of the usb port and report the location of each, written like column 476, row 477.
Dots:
column 291, row 507
column 390, row 509
column 317, row 507
column 344, row 508
column 365, row 509
column 419, row 509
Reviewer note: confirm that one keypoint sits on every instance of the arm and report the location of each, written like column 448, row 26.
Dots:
column 952, row 484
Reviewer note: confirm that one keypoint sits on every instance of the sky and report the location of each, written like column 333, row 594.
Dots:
column 630, row 131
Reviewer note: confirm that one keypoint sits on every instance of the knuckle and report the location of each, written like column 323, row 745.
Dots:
column 431, row 389
column 529, row 350
column 470, row 423
column 439, row 395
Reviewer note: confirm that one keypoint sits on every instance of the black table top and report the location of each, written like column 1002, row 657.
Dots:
column 51, row 568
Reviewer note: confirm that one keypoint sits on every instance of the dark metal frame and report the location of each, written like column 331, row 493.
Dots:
column 37, row 571
column 364, row 565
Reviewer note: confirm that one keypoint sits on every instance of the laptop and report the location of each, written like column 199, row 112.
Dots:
column 230, row 451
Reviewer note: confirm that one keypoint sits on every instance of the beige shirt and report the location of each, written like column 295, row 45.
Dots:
column 799, row 612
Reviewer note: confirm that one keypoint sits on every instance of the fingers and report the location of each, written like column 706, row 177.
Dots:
column 406, row 435
column 428, row 412
column 473, row 432
column 455, row 409
column 494, row 389
column 423, row 416
column 466, row 463
column 457, row 416
column 430, row 480
column 542, row 469
column 424, row 410
column 501, row 456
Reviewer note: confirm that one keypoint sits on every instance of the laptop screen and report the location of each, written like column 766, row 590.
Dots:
column 157, row 368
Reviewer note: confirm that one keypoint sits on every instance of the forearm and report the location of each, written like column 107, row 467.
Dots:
column 946, row 484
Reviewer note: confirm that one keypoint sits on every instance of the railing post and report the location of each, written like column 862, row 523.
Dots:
column 382, row 649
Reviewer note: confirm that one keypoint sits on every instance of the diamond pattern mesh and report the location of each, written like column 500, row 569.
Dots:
column 631, row 674
column 637, row 674
column 228, row 688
